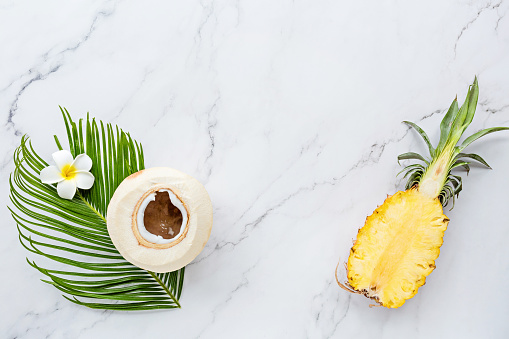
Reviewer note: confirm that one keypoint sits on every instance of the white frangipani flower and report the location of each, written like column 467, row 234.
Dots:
column 69, row 173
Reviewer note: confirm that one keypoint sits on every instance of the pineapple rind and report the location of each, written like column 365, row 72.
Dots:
column 397, row 248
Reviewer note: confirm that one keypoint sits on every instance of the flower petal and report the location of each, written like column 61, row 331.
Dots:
column 82, row 163
column 66, row 189
column 51, row 175
column 62, row 158
column 84, row 180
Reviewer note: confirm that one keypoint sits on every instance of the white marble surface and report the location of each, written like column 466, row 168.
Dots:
column 289, row 112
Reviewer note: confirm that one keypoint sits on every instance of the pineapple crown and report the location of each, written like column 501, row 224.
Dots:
column 448, row 155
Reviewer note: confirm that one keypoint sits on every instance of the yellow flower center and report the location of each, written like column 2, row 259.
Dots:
column 69, row 172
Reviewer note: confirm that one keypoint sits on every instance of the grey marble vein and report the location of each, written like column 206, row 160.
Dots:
column 51, row 62
column 488, row 6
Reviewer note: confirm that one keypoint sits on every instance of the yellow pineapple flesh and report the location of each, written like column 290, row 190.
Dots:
column 397, row 247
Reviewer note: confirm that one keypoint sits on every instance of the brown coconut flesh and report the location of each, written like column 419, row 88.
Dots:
column 161, row 217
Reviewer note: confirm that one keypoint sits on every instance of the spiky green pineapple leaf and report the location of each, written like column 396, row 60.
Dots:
column 455, row 181
column 411, row 168
column 446, row 124
column 466, row 113
column 478, row 135
column 459, row 186
column 73, row 234
column 464, row 164
column 473, row 156
column 412, row 156
column 424, row 136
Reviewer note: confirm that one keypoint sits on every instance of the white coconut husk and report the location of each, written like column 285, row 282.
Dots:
column 123, row 228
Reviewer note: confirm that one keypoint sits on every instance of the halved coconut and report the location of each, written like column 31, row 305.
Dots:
column 160, row 219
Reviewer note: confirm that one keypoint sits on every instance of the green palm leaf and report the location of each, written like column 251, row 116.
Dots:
column 73, row 233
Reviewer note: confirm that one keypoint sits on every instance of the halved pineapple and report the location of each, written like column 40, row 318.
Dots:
column 397, row 247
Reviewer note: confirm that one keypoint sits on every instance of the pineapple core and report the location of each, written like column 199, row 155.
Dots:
column 397, row 247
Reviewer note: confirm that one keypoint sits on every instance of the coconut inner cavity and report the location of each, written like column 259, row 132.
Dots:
column 161, row 217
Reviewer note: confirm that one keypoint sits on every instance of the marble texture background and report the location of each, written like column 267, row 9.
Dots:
column 289, row 112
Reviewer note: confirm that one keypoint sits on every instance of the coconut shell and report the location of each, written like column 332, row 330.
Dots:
column 121, row 220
